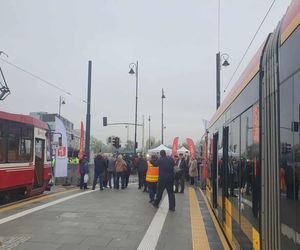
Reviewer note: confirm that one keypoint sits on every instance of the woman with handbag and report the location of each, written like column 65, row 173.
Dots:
column 84, row 170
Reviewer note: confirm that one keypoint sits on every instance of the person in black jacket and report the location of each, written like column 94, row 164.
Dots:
column 142, row 169
column 180, row 176
column 165, row 179
column 100, row 167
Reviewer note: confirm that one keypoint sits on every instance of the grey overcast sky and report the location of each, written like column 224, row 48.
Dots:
column 175, row 42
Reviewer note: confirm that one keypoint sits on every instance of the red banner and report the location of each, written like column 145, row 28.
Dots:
column 61, row 151
column 191, row 146
column 175, row 146
column 81, row 150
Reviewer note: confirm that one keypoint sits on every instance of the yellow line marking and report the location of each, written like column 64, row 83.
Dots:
column 35, row 200
column 199, row 236
column 216, row 223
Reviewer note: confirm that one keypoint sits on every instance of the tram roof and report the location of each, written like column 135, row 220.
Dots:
column 290, row 21
column 23, row 119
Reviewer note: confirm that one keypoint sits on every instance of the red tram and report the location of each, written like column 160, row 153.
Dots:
column 252, row 146
column 25, row 163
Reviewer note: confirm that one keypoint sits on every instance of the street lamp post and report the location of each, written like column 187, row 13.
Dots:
column 127, row 126
column 149, row 132
column 133, row 66
column 218, row 73
column 162, row 115
column 143, row 137
column 61, row 101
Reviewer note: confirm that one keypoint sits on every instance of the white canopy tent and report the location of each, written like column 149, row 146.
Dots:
column 159, row 148
column 183, row 151
column 230, row 153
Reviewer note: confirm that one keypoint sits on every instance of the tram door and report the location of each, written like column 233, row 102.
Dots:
column 224, row 170
column 289, row 172
column 215, row 169
column 39, row 162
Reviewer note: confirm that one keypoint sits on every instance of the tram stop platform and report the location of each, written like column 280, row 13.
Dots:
column 110, row 220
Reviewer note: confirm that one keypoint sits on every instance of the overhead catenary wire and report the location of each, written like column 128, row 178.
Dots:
column 41, row 79
column 45, row 81
column 246, row 51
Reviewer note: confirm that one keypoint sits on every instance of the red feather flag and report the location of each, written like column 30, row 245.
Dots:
column 191, row 146
column 81, row 152
column 175, row 146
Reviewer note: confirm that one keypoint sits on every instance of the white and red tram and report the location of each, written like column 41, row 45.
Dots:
column 25, row 159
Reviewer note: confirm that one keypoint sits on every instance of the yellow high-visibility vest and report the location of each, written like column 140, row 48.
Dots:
column 152, row 173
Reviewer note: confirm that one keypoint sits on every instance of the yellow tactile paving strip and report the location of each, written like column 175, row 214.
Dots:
column 217, row 226
column 199, row 236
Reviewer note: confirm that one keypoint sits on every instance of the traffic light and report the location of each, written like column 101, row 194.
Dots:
column 286, row 148
column 104, row 121
column 295, row 126
column 117, row 142
column 113, row 141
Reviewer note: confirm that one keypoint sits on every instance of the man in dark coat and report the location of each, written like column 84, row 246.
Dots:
column 142, row 169
column 100, row 167
column 180, row 176
column 165, row 179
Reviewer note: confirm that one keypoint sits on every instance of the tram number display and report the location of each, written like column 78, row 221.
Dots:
column 61, row 151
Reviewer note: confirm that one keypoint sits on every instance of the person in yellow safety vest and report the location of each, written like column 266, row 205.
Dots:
column 152, row 178
column 53, row 162
column 76, row 160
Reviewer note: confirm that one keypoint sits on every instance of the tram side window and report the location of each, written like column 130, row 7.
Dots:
column 249, row 168
column 234, row 157
column 209, row 161
column 19, row 143
column 247, row 158
column 25, row 149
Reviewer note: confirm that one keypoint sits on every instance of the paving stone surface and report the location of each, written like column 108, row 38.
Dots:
column 108, row 220
column 176, row 233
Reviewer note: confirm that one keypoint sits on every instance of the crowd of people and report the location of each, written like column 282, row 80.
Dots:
column 109, row 170
column 155, row 174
